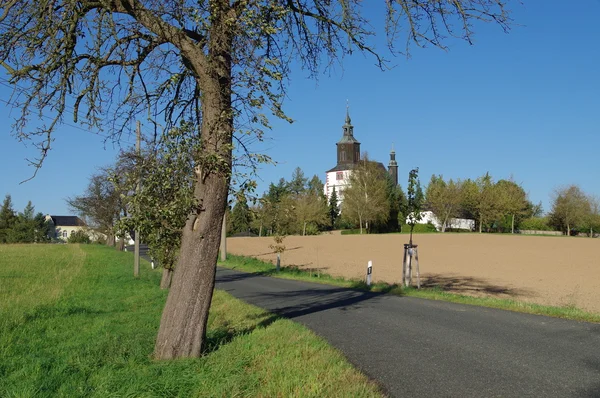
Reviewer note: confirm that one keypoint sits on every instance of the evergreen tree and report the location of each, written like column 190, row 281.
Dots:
column 298, row 182
column 334, row 209
column 315, row 186
column 240, row 215
column 7, row 218
column 24, row 229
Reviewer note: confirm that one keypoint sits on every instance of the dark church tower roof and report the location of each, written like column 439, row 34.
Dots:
column 348, row 128
column 348, row 147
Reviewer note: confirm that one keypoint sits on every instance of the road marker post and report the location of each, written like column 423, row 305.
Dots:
column 369, row 272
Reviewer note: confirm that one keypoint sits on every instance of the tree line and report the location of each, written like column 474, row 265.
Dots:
column 23, row 227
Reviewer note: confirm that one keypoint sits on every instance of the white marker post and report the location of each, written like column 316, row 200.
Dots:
column 369, row 272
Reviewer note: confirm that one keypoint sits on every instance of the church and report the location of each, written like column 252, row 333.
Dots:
column 348, row 155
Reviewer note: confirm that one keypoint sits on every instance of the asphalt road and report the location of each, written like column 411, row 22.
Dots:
column 424, row 348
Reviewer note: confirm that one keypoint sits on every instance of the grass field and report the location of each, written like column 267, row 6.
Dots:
column 75, row 323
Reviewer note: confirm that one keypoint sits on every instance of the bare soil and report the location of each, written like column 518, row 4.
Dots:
column 562, row 271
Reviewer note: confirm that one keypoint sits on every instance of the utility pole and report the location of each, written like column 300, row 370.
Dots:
column 136, row 256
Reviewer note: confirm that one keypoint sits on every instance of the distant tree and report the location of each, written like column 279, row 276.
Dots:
column 315, row 185
column 443, row 199
column 23, row 230
column 29, row 227
column 102, row 203
column 569, row 208
column 591, row 220
column 513, row 201
column 298, row 183
column 240, row 215
column 43, row 229
column 333, row 209
column 488, row 202
column 366, row 197
column 7, row 219
column 311, row 209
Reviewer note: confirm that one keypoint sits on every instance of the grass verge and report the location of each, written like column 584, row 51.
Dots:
column 75, row 323
column 249, row 264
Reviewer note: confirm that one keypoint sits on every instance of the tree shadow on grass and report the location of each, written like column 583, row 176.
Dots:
column 222, row 335
column 471, row 286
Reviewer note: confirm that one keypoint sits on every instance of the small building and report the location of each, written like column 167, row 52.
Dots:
column 65, row 226
column 454, row 223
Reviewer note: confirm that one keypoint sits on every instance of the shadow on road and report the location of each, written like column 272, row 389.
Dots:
column 308, row 301
column 470, row 286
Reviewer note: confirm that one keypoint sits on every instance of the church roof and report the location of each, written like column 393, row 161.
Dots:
column 341, row 167
column 348, row 139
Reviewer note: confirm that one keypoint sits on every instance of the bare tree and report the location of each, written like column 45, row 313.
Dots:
column 219, row 64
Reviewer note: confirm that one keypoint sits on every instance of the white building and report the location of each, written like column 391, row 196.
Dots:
column 454, row 223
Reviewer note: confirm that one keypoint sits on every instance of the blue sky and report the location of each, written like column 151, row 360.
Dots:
column 524, row 104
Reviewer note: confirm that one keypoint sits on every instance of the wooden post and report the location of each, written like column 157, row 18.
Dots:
column 136, row 255
column 224, row 238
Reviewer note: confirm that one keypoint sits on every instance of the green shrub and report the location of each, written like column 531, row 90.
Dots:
column 420, row 228
column 79, row 237
column 535, row 224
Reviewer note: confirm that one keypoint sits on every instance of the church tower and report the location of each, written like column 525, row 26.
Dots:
column 348, row 155
column 393, row 166
column 348, row 147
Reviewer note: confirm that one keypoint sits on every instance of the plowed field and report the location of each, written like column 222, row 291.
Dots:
column 546, row 270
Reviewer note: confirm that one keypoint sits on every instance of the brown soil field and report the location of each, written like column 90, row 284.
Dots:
column 563, row 271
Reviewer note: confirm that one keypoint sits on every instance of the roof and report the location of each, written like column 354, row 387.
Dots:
column 348, row 139
column 346, row 166
column 67, row 221
column 341, row 167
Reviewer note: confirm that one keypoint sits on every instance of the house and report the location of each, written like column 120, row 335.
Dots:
column 65, row 226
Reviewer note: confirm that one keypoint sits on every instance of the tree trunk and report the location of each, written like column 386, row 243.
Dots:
column 480, row 223
column 360, row 224
column 568, row 230
column 304, row 229
column 182, row 329
column 167, row 275
column 512, row 227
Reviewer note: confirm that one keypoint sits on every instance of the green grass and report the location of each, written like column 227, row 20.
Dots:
column 249, row 264
column 75, row 323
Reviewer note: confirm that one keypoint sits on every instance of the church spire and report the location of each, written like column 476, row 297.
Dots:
column 348, row 121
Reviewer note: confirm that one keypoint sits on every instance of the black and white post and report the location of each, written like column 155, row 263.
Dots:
column 369, row 272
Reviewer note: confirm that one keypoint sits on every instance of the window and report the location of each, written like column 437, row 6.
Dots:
column 343, row 156
column 65, row 234
column 339, row 175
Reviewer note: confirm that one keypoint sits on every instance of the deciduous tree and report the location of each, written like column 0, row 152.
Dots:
column 569, row 208
column 443, row 198
column 216, row 63
column 366, row 197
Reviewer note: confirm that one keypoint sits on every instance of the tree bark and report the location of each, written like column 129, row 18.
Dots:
column 182, row 329
column 165, row 281
column 512, row 227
